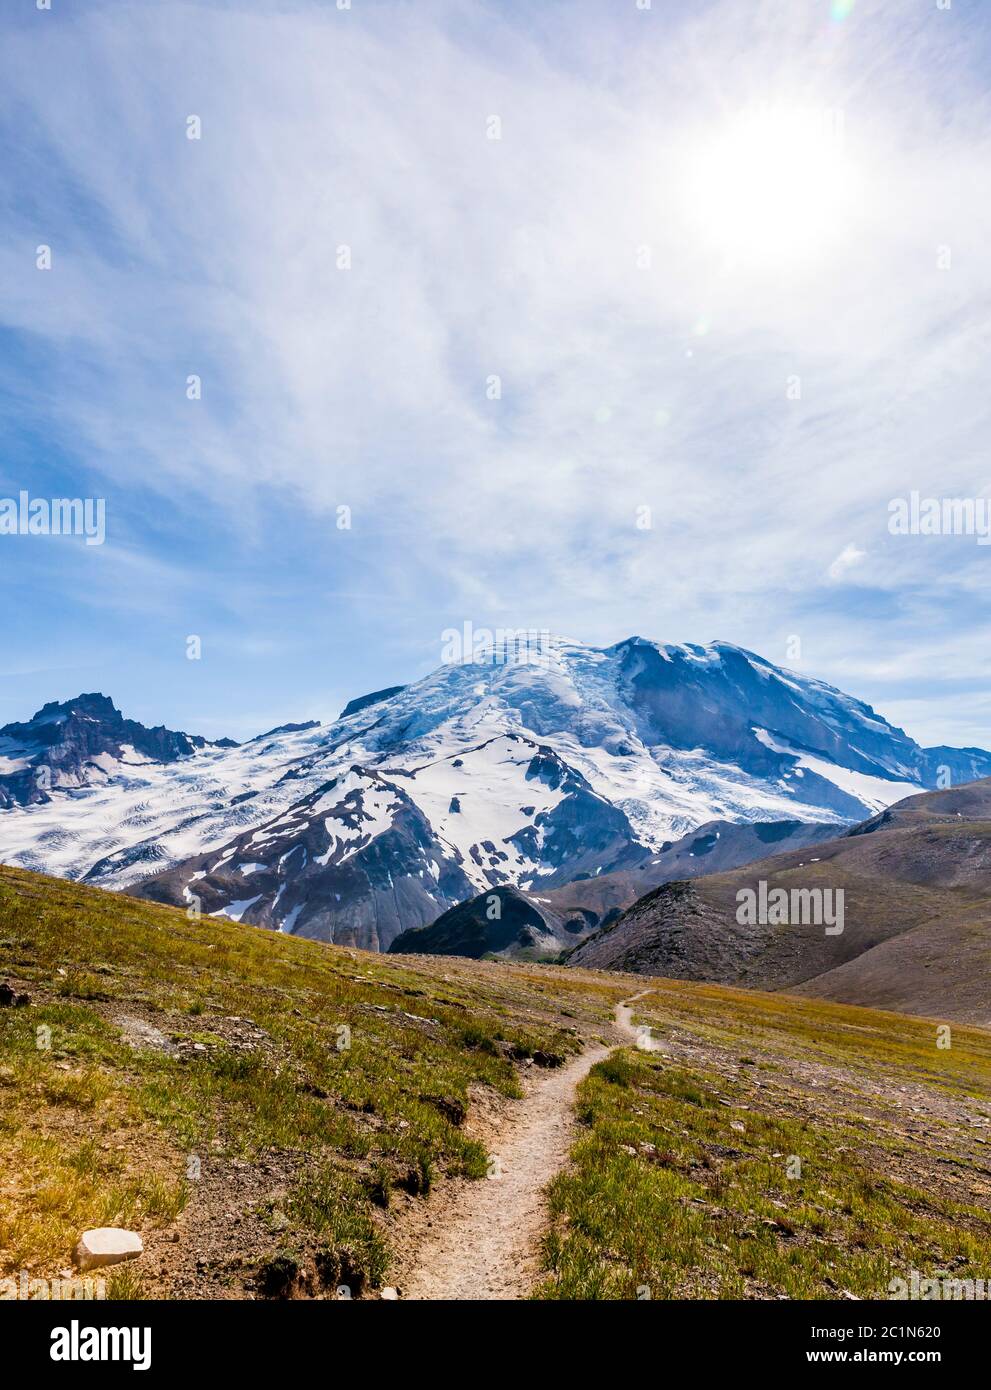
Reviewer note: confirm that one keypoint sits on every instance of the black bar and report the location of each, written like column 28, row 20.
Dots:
column 263, row 1338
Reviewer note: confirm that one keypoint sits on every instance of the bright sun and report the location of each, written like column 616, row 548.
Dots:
column 775, row 186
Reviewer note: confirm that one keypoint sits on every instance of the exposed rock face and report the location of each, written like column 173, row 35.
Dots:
column 718, row 697
column 287, row 729
column 78, row 743
column 375, row 698
column 352, row 862
column 503, row 922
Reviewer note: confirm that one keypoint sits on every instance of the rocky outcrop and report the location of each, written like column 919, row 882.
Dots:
column 364, row 701
column 80, row 742
column 502, row 922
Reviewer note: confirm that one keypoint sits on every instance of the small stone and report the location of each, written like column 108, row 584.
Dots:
column 391, row 1294
column 738, row 1125
column 106, row 1245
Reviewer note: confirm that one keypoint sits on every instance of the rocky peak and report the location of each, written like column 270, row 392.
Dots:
column 80, row 742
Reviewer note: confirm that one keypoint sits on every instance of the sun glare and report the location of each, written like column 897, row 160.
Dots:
column 774, row 186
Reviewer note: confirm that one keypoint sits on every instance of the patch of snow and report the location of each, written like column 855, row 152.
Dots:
column 874, row 792
column 235, row 911
column 290, row 920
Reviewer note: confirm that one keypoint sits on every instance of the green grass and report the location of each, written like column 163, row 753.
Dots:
column 684, row 1183
column 665, row 1197
column 871, row 1041
column 95, row 1131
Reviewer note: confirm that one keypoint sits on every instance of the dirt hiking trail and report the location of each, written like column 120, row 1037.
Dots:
column 484, row 1244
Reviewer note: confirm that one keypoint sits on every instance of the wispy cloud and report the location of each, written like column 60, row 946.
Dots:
column 686, row 431
column 848, row 558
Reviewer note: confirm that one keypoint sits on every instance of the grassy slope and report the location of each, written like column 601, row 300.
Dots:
column 171, row 1039
column 684, row 1183
column 300, row 1141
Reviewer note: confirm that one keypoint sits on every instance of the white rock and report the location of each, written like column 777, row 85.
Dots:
column 107, row 1245
column 389, row 1294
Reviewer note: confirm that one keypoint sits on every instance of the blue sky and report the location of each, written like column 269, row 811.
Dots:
column 645, row 269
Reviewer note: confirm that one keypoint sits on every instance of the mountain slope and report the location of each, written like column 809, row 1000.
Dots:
column 317, row 1090
column 276, row 1117
column 380, row 866
column 532, row 769
column 366, row 855
column 916, row 929
column 539, row 925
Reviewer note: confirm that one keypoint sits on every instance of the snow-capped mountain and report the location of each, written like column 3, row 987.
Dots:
column 526, row 767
